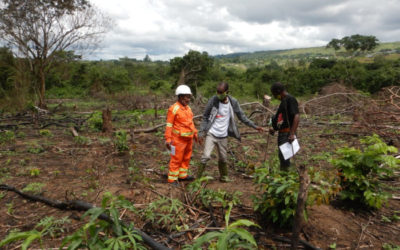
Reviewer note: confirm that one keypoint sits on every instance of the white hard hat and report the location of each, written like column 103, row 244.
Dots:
column 183, row 90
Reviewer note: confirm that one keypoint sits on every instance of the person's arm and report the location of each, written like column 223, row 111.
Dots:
column 293, row 129
column 242, row 117
column 294, row 110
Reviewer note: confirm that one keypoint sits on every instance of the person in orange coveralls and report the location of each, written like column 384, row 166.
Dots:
column 179, row 134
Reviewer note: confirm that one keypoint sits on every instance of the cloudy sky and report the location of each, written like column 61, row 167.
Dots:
column 164, row 29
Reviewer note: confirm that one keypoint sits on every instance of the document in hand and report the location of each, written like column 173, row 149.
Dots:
column 288, row 150
column 172, row 150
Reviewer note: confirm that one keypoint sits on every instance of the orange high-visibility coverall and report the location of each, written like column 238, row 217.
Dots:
column 180, row 132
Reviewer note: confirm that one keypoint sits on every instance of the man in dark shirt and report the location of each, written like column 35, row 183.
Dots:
column 286, row 120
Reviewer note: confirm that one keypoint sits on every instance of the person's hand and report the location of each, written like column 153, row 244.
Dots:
column 291, row 138
column 260, row 129
column 168, row 145
column 200, row 140
column 271, row 131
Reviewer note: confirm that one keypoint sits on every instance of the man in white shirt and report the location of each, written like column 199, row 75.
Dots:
column 218, row 123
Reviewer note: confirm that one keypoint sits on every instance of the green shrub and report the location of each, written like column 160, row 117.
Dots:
column 95, row 122
column 234, row 236
column 100, row 234
column 82, row 140
column 35, row 149
column 45, row 133
column 165, row 213
column 34, row 187
column 121, row 141
column 208, row 197
column 278, row 190
column 7, row 137
column 361, row 169
column 46, row 226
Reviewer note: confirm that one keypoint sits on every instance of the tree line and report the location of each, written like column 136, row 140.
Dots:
column 70, row 76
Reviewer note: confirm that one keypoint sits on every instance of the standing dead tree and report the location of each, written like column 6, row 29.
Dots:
column 39, row 29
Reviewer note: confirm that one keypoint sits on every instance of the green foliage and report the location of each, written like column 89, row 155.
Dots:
column 34, row 172
column 35, row 149
column 7, row 137
column 164, row 213
column 46, row 226
column 95, row 122
column 34, row 187
column 354, row 42
column 82, row 140
column 99, row 234
column 192, row 68
column 208, row 197
column 45, row 133
column 278, row 190
column 234, row 236
column 361, row 169
column 121, row 141
column 278, row 198
column 388, row 246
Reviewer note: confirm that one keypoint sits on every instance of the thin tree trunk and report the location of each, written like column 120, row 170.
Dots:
column 42, row 103
column 301, row 202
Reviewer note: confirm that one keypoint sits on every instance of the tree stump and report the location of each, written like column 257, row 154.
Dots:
column 107, row 125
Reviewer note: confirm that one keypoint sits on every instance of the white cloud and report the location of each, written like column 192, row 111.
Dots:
column 167, row 28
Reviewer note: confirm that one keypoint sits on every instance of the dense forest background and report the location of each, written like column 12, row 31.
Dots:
column 250, row 75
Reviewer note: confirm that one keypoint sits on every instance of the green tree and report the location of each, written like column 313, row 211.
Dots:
column 38, row 29
column 7, row 68
column 192, row 68
column 354, row 43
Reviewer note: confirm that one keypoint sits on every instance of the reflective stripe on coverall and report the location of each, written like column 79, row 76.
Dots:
column 180, row 131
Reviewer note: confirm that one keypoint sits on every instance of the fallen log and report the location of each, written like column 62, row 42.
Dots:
column 79, row 205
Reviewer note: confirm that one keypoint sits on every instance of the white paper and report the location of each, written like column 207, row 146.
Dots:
column 288, row 150
column 172, row 150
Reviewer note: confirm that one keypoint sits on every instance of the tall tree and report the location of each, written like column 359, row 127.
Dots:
column 192, row 68
column 354, row 43
column 38, row 29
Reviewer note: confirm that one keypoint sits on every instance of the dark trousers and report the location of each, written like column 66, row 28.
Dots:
column 283, row 138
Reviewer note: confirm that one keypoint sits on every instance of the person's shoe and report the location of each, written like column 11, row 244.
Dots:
column 223, row 171
column 188, row 178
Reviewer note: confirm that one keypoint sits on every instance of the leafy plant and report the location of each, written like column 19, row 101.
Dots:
column 46, row 226
column 234, row 236
column 361, row 169
column 45, row 132
column 99, row 234
column 121, row 141
column 278, row 190
column 164, row 213
column 35, row 149
column 388, row 246
column 278, row 199
column 82, row 140
column 34, row 187
column 95, row 122
column 34, row 172
column 7, row 136
column 208, row 196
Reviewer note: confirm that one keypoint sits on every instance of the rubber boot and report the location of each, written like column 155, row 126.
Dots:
column 223, row 172
column 200, row 170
